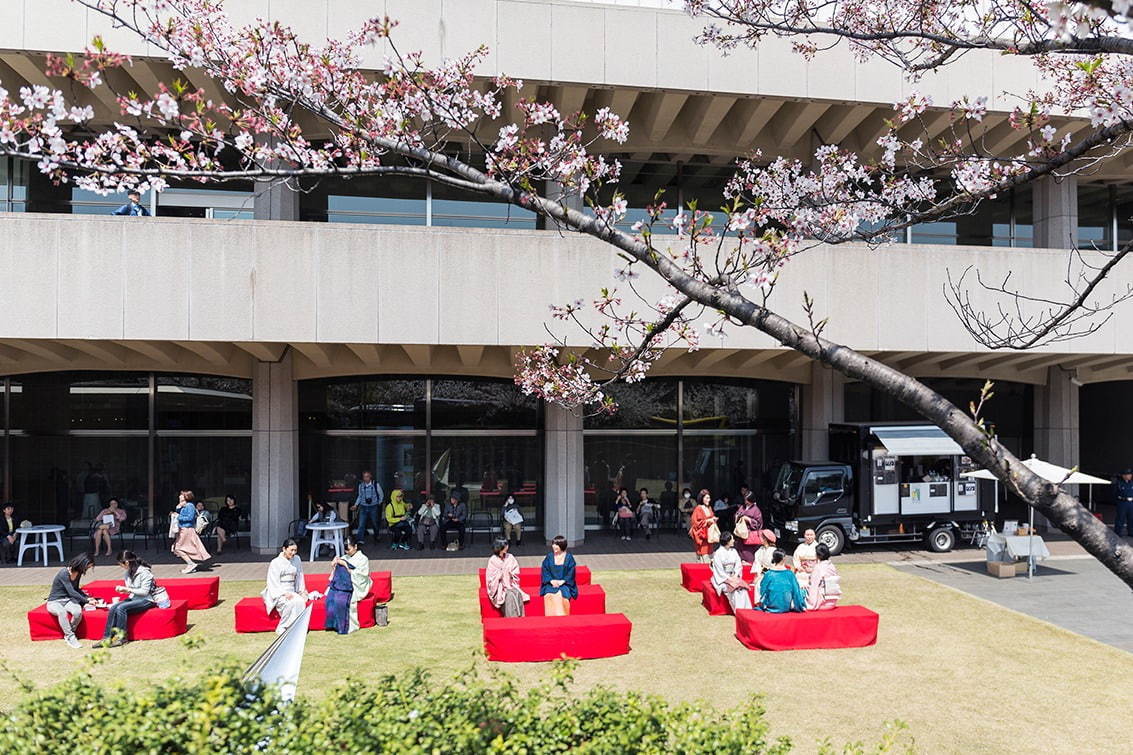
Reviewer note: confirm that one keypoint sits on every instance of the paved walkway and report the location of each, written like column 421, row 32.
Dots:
column 1073, row 592
column 600, row 552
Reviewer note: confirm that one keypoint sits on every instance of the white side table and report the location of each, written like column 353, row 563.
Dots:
column 328, row 533
column 40, row 538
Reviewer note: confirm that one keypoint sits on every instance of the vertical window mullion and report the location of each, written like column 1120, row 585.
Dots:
column 681, row 434
column 428, row 432
column 151, row 444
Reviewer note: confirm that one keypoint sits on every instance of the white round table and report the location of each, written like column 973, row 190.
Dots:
column 326, row 533
column 41, row 537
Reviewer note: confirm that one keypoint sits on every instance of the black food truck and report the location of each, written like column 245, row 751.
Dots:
column 885, row 482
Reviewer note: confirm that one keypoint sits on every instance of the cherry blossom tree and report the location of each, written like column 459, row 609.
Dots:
column 296, row 112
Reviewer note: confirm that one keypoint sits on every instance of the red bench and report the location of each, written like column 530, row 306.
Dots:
column 841, row 627
column 531, row 577
column 154, row 624
column 715, row 604
column 251, row 616
column 547, row 638
column 199, row 592
column 591, row 600
column 693, row 575
column 381, row 591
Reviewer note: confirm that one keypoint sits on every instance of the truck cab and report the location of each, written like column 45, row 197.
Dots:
column 815, row 495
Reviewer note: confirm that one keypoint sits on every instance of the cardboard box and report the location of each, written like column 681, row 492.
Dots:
column 1001, row 569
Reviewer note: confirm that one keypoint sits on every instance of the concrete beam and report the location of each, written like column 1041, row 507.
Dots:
column 470, row 356
column 159, row 351
column 420, row 356
column 264, row 352
column 320, row 354
column 213, row 353
column 368, row 354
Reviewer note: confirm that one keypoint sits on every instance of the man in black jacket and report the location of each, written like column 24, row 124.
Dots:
column 8, row 538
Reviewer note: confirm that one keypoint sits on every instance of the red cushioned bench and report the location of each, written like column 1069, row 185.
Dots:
column 154, row 624
column 199, row 592
column 693, row 575
column 531, row 577
column 381, row 590
column 715, row 604
column 547, row 638
column 251, row 616
column 841, row 627
column 591, row 600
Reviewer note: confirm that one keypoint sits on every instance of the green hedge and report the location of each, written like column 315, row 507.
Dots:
column 481, row 711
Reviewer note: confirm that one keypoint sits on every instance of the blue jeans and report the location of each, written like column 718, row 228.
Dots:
column 120, row 613
column 1124, row 520
column 367, row 514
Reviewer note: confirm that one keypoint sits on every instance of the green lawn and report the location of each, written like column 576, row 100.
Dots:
column 965, row 675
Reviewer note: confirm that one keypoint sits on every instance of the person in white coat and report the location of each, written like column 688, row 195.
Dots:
column 727, row 573
column 286, row 591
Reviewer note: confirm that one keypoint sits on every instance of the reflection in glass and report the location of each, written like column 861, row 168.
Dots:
column 630, row 461
column 57, row 402
column 362, row 404
column 195, row 402
column 482, row 404
column 484, row 470
column 750, row 404
column 648, row 404
column 332, row 466
column 210, row 467
column 723, row 463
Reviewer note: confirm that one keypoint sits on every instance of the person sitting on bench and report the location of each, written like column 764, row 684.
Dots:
column 559, row 586
column 398, row 521
column 455, row 514
column 779, row 590
column 501, row 577
column 142, row 593
column 727, row 573
column 825, row 587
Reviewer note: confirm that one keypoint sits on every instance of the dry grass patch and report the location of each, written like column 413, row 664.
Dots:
column 965, row 675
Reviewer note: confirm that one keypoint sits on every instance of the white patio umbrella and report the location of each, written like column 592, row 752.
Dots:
column 1050, row 473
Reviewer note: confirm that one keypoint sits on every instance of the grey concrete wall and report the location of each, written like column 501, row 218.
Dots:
column 83, row 277
column 564, row 511
column 275, row 452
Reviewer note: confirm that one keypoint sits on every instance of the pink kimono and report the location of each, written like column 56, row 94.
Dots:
column 501, row 576
column 824, row 588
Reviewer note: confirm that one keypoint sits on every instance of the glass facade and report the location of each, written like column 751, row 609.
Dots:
column 73, row 440
column 1005, row 220
column 477, row 437
column 698, row 433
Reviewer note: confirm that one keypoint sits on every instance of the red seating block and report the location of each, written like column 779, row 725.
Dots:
column 693, row 575
column 199, row 592
column 841, row 627
column 547, row 638
column 251, row 616
column 381, row 591
column 154, row 624
column 591, row 600
column 531, row 577
column 716, row 604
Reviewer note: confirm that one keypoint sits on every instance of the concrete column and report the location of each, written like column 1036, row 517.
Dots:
column 823, row 402
column 564, row 511
column 1056, row 423
column 554, row 191
column 275, row 452
column 1056, row 212
column 275, row 200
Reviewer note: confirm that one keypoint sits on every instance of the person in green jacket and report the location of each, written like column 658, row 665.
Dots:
column 397, row 519
column 779, row 590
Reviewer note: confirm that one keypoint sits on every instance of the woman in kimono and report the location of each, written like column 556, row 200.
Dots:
column 357, row 565
column 825, row 586
column 501, row 577
column 702, row 519
column 340, row 588
column 727, row 574
column 286, row 592
column 752, row 517
column 559, row 587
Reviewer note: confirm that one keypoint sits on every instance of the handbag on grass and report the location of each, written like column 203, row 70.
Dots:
column 741, row 531
column 713, row 533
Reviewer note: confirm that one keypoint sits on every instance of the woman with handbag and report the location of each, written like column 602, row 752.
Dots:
column 142, row 593
column 188, row 546
column 749, row 523
column 701, row 528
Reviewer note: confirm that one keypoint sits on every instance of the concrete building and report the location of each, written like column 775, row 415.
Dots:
column 275, row 344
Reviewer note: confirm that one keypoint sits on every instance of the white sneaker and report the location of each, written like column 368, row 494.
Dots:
column 73, row 641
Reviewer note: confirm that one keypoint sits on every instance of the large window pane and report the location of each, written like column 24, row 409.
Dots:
column 190, row 402
column 648, row 404
column 482, row 404
column 722, row 463
column 630, row 461
column 485, row 469
column 58, row 402
column 211, row 467
column 362, row 404
column 64, row 480
column 333, row 465
column 1095, row 221
column 735, row 405
column 371, row 199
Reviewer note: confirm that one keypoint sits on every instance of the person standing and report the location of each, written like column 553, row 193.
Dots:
column 701, row 520
column 188, row 546
column 65, row 601
column 134, row 206
column 285, row 592
column 8, row 527
column 455, row 515
column 751, row 517
column 143, row 593
column 366, row 503
column 1124, row 493
column 668, row 501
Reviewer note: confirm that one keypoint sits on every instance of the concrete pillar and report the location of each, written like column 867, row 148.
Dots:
column 564, row 511
column 275, row 200
column 553, row 190
column 823, row 402
column 1056, row 422
column 275, row 452
column 1056, row 212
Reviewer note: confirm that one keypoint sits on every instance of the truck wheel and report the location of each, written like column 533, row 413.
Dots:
column 833, row 537
column 941, row 540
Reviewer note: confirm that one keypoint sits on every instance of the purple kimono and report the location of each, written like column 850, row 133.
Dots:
column 339, row 591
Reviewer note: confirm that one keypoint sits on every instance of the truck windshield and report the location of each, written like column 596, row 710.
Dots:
column 787, row 484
